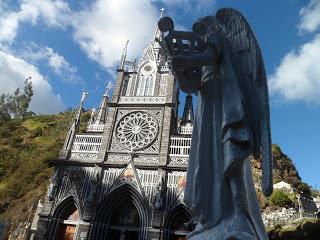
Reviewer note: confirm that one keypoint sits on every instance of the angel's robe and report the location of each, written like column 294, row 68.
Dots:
column 220, row 191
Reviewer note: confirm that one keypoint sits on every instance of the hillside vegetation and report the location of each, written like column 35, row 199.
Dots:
column 25, row 147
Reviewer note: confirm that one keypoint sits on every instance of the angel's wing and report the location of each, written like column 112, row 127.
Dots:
column 249, row 67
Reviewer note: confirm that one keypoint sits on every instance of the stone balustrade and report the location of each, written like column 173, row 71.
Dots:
column 86, row 143
column 179, row 146
column 142, row 100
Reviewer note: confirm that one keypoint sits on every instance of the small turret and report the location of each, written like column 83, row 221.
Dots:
column 187, row 117
column 92, row 116
column 98, row 118
column 102, row 110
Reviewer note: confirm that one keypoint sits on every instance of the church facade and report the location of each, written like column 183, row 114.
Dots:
column 124, row 177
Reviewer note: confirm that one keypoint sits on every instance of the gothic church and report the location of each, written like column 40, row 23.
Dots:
column 124, row 177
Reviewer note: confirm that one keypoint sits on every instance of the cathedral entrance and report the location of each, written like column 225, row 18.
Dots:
column 124, row 223
column 176, row 227
column 122, row 216
column 67, row 223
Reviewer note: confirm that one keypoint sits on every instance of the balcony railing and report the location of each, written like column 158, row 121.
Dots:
column 179, row 146
column 142, row 100
column 87, row 143
column 187, row 129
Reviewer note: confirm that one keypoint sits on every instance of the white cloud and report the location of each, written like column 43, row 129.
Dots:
column 297, row 78
column 13, row 72
column 310, row 17
column 53, row 12
column 58, row 64
column 103, row 29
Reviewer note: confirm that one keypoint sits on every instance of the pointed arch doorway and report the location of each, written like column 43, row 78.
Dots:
column 175, row 228
column 122, row 216
column 124, row 223
column 65, row 221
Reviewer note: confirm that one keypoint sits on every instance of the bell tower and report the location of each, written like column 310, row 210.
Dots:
column 143, row 109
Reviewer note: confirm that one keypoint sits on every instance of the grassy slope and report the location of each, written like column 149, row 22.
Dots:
column 25, row 146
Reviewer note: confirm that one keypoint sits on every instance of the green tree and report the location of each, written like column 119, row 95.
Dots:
column 4, row 108
column 280, row 198
column 16, row 105
column 305, row 188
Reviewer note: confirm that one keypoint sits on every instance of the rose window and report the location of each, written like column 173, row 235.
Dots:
column 137, row 130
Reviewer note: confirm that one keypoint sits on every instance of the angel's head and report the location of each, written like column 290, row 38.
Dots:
column 207, row 24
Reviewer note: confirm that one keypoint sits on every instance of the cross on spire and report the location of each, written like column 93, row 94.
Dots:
column 108, row 88
column 161, row 14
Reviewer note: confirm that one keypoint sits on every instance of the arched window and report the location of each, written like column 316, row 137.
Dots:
column 146, row 80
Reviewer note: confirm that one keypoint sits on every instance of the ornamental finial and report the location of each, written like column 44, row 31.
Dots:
column 84, row 96
column 108, row 88
column 161, row 10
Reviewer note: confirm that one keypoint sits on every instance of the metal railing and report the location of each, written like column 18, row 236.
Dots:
column 180, row 146
column 87, row 143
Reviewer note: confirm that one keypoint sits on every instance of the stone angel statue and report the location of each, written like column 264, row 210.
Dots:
column 221, row 62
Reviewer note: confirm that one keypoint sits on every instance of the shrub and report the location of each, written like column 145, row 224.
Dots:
column 280, row 198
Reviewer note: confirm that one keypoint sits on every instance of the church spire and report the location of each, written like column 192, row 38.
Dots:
column 186, row 125
column 124, row 56
column 101, row 116
column 75, row 123
column 155, row 52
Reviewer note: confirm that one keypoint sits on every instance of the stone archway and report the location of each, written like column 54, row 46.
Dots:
column 122, row 216
column 65, row 221
column 174, row 227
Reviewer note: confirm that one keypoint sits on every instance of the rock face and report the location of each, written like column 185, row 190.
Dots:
column 301, row 202
column 284, row 170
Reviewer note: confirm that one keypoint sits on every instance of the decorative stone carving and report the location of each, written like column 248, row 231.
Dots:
column 119, row 158
column 79, row 183
column 178, row 160
column 152, row 121
column 158, row 197
column 84, row 156
column 146, row 159
column 175, row 188
column 142, row 100
column 54, row 184
column 149, row 180
column 137, row 130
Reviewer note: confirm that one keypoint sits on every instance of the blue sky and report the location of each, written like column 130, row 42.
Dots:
column 68, row 46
